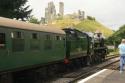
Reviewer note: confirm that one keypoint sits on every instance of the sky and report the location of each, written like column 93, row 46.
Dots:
column 110, row 13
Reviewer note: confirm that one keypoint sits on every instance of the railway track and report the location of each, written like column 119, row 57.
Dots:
column 111, row 56
column 110, row 63
column 35, row 76
column 114, row 66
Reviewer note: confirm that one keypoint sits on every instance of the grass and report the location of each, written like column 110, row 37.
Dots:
column 91, row 25
column 85, row 25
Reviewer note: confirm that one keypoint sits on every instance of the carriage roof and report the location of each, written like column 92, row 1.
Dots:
column 11, row 23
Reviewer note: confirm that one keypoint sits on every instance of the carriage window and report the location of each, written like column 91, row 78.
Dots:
column 47, row 37
column 18, row 41
column 34, row 36
column 34, row 43
column 58, row 38
column 2, row 40
column 12, row 35
column 48, row 42
column 17, row 34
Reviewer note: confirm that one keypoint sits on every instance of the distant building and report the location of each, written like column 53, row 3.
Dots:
column 46, row 15
column 61, row 9
column 50, row 12
column 81, row 15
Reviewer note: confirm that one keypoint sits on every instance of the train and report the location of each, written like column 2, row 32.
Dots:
column 25, row 45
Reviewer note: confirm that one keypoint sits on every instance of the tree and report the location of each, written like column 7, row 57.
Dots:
column 32, row 19
column 117, row 36
column 14, row 9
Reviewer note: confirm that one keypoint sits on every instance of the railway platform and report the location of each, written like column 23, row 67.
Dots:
column 105, row 76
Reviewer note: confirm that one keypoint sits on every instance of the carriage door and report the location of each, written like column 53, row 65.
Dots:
column 3, row 50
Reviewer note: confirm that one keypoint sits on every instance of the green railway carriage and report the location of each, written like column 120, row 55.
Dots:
column 24, row 44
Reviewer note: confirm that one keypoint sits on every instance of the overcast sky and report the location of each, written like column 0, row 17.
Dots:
column 111, row 13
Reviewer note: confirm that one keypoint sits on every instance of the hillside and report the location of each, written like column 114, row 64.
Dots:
column 92, row 26
column 86, row 25
column 66, row 22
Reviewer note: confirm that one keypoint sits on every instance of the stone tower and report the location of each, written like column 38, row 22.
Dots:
column 50, row 12
column 81, row 15
column 61, row 9
column 46, row 15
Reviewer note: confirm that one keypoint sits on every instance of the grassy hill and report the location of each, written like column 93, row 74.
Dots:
column 66, row 22
column 92, row 26
column 86, row 25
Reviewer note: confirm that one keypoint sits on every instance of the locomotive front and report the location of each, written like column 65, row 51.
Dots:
column 98, row 47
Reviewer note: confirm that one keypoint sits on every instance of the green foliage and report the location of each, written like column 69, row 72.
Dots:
column 34, row 20
column 14, row 9
column 117, row 36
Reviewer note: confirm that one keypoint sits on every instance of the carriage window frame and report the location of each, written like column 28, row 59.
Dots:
column 34, row 35
column 18, row 41
column 58, row 37
column 47, row 37
column 48, row 42
column 17, row 34
column 3, row 42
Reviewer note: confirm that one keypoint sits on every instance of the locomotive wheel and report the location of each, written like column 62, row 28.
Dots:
column 90, row 60
column 6, row 78
column 99, row 58
column 93, row 57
